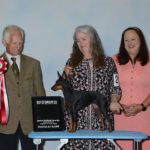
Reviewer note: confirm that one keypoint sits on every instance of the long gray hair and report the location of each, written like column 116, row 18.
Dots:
column 96, row 47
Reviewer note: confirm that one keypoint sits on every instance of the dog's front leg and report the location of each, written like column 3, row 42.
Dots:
column 74, row 121
column 71, row 123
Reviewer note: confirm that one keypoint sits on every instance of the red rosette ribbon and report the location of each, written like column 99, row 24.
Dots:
column 4, row 109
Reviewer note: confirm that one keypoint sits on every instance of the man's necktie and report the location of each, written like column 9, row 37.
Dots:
column 15, row 68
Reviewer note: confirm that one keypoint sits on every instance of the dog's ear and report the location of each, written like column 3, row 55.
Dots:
column 58, row 74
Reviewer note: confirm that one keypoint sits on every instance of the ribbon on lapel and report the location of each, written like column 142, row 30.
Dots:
column 4, row 108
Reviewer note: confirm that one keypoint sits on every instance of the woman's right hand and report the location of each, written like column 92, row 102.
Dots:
column 68, row 70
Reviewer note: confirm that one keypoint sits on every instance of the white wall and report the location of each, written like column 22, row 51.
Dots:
column 49, row 26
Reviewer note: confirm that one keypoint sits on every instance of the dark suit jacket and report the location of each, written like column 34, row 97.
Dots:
column 19, row 99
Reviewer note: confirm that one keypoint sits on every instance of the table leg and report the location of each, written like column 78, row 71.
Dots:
column 114, row 143
column 136, row 144
column 37, row 142
column 62, row 142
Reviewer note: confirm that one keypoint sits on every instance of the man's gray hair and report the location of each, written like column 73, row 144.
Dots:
column 8, row 29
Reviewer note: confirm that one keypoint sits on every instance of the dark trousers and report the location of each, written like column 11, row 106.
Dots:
column 10, row 141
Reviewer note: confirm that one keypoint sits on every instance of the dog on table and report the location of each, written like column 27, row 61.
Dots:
column 76, row 100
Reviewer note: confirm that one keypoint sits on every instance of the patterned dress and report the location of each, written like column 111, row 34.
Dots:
column 102, row 79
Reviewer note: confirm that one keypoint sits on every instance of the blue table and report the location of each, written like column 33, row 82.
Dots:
column 137, row 137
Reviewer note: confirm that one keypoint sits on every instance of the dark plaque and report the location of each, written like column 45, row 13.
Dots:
column 48, row 113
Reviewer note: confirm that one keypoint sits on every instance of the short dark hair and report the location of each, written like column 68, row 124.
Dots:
column 142, row 56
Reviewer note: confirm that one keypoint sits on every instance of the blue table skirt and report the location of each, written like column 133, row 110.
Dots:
column 88, row 134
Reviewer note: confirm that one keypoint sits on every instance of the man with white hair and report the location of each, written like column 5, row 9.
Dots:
column 23, row 80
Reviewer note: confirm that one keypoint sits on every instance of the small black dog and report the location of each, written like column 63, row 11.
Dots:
column 76, row 100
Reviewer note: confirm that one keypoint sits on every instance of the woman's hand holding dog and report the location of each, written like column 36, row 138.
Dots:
column 68, row 70
column 115, row 106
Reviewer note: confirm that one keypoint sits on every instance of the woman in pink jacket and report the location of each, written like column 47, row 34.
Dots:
column 133, row 65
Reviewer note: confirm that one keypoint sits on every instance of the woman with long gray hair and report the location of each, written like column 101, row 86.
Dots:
column 90, row 70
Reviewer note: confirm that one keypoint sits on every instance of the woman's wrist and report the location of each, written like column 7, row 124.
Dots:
column 115, row 98
column 143, row 107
